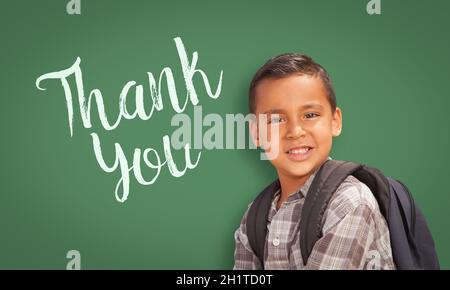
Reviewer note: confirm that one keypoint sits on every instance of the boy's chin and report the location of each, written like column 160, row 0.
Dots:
column 299, row 171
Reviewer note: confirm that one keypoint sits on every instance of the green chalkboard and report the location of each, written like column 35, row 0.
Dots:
column 390, row 68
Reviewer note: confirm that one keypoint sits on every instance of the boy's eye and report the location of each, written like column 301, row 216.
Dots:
column 275, row 120
column 311, row 115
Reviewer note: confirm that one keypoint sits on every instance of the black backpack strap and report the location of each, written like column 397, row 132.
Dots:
column 257, row 220
column 327, row 180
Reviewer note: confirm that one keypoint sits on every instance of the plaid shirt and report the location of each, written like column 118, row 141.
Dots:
column 354, row 234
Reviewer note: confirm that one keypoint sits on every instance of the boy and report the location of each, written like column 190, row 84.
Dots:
column 297, row 96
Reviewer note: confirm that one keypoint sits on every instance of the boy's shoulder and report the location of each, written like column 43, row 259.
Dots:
column 350, row 195
column 354, row 192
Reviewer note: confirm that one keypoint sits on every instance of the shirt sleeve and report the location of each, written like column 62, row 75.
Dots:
column 354, row 242
column 244, row 257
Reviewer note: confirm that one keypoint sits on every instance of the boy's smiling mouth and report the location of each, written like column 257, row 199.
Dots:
column 299, row 153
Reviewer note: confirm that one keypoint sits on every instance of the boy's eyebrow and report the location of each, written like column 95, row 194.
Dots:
column 311, row 106
column 304, row 107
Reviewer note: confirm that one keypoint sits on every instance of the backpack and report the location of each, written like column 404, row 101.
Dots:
column 411, row 241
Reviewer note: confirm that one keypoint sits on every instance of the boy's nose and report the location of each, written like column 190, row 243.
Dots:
column 295, row 131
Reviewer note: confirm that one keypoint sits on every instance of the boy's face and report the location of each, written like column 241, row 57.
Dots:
column 299, row 107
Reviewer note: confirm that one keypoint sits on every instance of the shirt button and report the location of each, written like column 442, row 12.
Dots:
column 276, row 242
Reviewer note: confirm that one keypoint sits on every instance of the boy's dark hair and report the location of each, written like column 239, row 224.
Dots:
column 288, row 64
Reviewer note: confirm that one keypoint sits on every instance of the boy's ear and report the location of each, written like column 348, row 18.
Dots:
column 254, row 131
column 337, row 122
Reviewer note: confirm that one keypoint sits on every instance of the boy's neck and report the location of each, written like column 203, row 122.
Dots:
column 289, row 185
